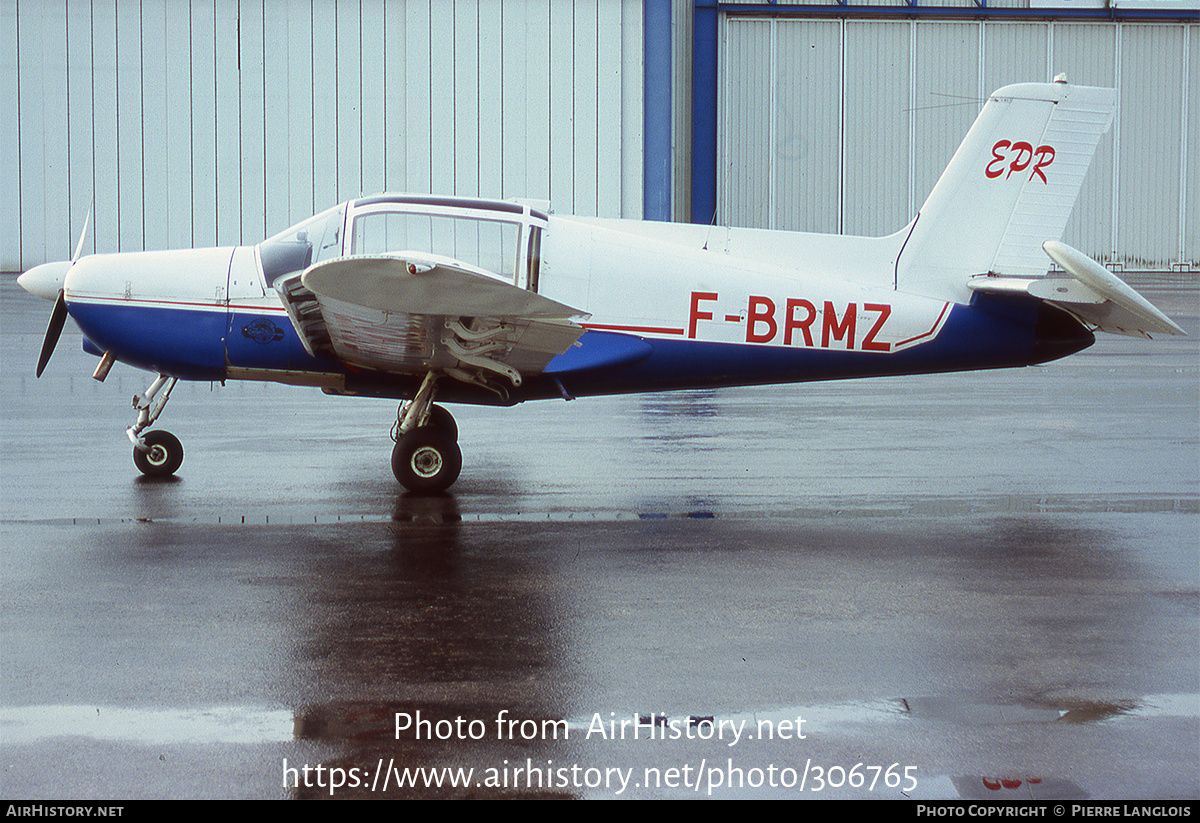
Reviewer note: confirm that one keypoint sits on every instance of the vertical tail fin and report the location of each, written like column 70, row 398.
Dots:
column 1009, row 188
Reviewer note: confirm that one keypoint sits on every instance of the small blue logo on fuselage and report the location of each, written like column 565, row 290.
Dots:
column 262, row 331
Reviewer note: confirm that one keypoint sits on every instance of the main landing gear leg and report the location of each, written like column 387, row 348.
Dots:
column 426, row 458
column 155, row 453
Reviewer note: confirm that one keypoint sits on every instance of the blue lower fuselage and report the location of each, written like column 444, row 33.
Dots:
column 198, row 342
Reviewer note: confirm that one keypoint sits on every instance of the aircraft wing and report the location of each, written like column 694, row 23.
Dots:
column 410, row 312
column 1093, row 294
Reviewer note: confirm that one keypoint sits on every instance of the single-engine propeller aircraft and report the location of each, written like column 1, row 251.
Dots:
column 497, row 302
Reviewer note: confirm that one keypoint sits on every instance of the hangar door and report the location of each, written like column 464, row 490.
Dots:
column 221, row 122
column 836, row 125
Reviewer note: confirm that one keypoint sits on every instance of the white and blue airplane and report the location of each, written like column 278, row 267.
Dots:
column 414, row 297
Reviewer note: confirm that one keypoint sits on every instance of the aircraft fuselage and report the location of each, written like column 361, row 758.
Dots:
column 667, row 314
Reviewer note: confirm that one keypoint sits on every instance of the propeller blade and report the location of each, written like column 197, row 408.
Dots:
column 82, row 236
column 58, row 316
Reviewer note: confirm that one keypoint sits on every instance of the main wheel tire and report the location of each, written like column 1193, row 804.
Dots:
column 443, row 421
column 426, row 461
column 162, row 458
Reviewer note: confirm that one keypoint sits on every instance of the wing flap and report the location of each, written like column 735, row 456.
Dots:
column 411, row 312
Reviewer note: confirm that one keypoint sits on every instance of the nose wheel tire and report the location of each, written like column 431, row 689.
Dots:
column 163, row 454
column 425, row 460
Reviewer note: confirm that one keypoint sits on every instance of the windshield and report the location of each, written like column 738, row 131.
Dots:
column 295, row 249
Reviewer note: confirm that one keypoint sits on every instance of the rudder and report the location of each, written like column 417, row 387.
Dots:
column 1009, row 188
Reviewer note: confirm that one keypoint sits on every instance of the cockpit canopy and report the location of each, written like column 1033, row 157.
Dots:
column 500, row 237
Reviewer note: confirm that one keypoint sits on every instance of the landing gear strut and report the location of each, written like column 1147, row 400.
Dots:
column 157, row 453
column 426, row 458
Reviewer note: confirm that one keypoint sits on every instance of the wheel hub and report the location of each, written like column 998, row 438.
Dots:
column 426, row 461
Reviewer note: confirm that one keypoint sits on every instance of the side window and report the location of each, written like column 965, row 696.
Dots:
column 330, row 242
column 297, row 248
column 489, row 244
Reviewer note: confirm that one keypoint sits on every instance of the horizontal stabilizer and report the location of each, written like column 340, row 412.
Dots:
column 1124, row 311
column 1093, row 294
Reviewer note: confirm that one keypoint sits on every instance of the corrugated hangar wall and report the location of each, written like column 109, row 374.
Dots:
column 843, row 125
column 184, row 123
column 200, row 122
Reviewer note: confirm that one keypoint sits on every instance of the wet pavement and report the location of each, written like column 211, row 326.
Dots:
column 981, row 585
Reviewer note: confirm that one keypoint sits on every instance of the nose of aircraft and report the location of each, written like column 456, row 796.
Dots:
column 46, row 280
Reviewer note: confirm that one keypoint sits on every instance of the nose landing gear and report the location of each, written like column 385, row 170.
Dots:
column 156, row 453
